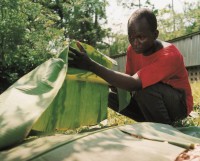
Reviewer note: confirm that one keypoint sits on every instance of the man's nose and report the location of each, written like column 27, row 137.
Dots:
column 136, row 43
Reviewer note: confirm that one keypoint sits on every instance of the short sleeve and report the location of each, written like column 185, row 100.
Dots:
column 165, row 67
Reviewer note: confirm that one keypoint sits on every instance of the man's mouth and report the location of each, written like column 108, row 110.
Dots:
column 137, row 50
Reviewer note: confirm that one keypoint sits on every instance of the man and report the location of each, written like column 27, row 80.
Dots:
column 155, row 72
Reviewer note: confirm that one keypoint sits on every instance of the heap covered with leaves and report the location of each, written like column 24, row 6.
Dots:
column 54, row 97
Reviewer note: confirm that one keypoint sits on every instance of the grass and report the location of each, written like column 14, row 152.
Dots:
column 194, row 118
column 196, row 94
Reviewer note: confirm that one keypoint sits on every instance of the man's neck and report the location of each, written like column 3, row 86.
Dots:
column 155, row 47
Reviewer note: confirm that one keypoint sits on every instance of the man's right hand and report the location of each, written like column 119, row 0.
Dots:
column 79, row 59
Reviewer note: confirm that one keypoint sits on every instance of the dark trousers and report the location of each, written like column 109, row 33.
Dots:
column 159, row 103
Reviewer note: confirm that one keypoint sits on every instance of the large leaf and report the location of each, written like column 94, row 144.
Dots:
column 22, row 104
column 82, row 99
column 124, row 98
column 162, row 133
column 107, row 144
column 191, row 130
column 50, row 98
column 78, row 103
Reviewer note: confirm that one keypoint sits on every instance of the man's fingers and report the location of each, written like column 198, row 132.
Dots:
column 80, row 47
column 71, row 63
column 82, row 50
column 74, row 51
column 72, row 55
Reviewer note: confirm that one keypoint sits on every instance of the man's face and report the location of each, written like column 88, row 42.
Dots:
column 140, row 36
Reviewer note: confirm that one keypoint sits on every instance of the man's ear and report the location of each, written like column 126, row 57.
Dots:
column 156, row 33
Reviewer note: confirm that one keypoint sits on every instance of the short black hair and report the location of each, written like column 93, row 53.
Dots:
column 144, row 13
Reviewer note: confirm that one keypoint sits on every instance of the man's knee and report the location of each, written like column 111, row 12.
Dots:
column 163, row 100
column 148, row 92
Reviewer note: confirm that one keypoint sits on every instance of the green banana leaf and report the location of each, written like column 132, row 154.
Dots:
column 124, row 98
column 106, row 144
column 162, row 133
column 82, row 99
column 53, row 97
column 77, row 104
column 22, row 104
column 191, row 130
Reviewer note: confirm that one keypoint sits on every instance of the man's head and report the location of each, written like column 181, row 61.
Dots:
column 142, row 30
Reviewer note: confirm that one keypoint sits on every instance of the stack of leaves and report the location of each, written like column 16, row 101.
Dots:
column 53, row 96
column 82, row 99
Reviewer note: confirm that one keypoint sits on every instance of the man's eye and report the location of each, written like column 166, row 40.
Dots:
column 131, row 38
column 141, row 37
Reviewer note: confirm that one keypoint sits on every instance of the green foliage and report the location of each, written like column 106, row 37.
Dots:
column 119, row 44
column 85, row 22
column 192, row 16
column 135, row 4
column 172, row 25
column 80, row 19
column 31, row 31
column 26, row 31
column 12, row 32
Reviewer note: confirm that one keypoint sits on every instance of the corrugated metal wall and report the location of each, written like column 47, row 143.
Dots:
column 121, row 61
column 189, row 46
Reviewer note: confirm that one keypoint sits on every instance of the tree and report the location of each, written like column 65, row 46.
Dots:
column 25, row 32
column 31, row 31
column 172, row 25
column 85, row 22
column 130, row 4
column 168, row 28
column 119, row 44
column 80, row 19
column 192, row 16
column 12, row 29
column 12, row 32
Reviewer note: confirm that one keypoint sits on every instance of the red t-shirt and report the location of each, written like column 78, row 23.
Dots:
column 165, row 65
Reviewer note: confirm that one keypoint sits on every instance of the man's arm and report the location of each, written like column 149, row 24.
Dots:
column 117, row 79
